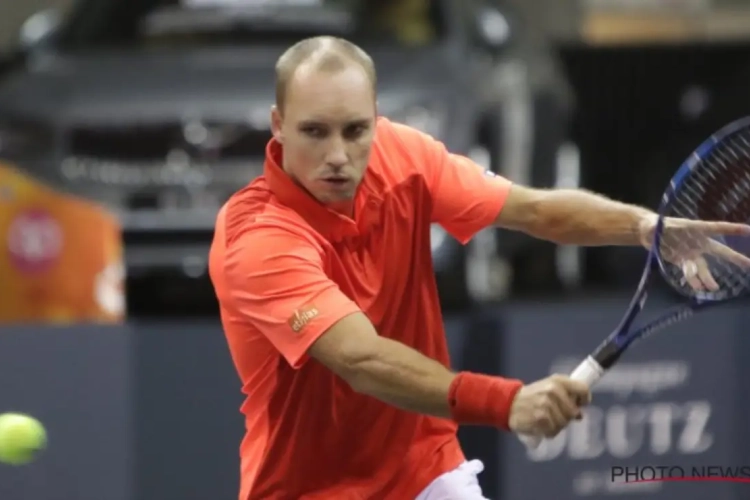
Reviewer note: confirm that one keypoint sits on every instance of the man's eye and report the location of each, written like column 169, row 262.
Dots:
column 315, row 132
column 354, row 131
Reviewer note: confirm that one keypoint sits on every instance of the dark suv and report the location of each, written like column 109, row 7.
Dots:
column 159, row 109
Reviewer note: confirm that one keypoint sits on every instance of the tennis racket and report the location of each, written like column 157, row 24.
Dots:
column 705, row 262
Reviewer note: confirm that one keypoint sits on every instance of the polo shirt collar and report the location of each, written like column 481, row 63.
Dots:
column 327, row 222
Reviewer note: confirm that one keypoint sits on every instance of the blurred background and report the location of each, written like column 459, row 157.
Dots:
column 125, row 124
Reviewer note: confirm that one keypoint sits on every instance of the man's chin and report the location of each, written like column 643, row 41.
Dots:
column 337, row 193
column 337, row 201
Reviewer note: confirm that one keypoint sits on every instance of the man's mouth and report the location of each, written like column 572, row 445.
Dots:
column 336, row 181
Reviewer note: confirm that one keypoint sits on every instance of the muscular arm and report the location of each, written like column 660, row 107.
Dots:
column 466, row 200
column 398, row 375
column 383, row 368
column 278, row 288
column 284, row 293
column 573, row 217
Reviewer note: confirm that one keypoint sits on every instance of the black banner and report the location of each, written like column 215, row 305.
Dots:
column 151, row 411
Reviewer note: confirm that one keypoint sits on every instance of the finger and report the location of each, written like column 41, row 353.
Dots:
column 578, row 390
column 718, row 228
column 690, row 273
column 567, row 403
column 557, row 420
column 704, row 275
column 726, row 253
column 542, row 423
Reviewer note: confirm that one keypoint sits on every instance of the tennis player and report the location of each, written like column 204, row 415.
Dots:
column 323, row 271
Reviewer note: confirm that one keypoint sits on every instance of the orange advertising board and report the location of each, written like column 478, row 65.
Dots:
column 61, row 257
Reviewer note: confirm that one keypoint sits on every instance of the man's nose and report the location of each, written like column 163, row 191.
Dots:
column 336, row 156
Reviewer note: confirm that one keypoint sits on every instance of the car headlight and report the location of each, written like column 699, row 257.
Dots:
column 428, row 119
column 23, row 139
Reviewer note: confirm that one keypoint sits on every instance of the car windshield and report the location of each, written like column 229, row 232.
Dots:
column 195, row 23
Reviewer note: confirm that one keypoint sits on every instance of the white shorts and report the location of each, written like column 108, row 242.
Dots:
column 459, row 484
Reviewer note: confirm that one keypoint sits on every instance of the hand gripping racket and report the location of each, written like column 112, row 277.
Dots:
column 705, row 262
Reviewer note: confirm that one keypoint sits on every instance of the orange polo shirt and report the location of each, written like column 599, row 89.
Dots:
column 285, row 268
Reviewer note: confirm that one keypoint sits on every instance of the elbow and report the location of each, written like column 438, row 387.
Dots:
column 547, row 219
column 524, row 211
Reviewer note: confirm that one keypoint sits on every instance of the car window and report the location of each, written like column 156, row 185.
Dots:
column 206, row 22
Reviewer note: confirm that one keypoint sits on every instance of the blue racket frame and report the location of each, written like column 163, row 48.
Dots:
column 608, row 353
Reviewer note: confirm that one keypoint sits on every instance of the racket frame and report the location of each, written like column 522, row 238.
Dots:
column 601, row 359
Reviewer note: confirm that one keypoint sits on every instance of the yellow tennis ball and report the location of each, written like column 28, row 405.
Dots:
column 21, row 438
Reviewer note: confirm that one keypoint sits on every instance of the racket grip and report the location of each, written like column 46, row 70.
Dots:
column 588, row 372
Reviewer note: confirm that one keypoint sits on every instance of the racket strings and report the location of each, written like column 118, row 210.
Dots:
column 717, row 189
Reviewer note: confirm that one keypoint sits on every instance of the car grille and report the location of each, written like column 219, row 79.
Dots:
column 234, row 140
column 227, row 154
column 181, row 172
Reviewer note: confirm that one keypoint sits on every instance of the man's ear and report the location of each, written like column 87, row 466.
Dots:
column 276, row 121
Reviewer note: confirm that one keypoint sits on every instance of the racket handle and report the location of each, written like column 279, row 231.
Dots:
column 588, row 372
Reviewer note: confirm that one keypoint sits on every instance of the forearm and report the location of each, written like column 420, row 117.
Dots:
column 403, row 377
column 578, row 217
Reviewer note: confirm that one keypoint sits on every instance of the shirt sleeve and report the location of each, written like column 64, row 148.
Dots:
column 466, row 198
column 276, row 280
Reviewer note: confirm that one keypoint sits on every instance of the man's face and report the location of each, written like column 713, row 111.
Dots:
column 326, row 130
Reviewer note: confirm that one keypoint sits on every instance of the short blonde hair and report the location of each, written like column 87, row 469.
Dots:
column 326, row 53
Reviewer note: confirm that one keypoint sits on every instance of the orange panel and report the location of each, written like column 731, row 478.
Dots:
column 61, row 257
